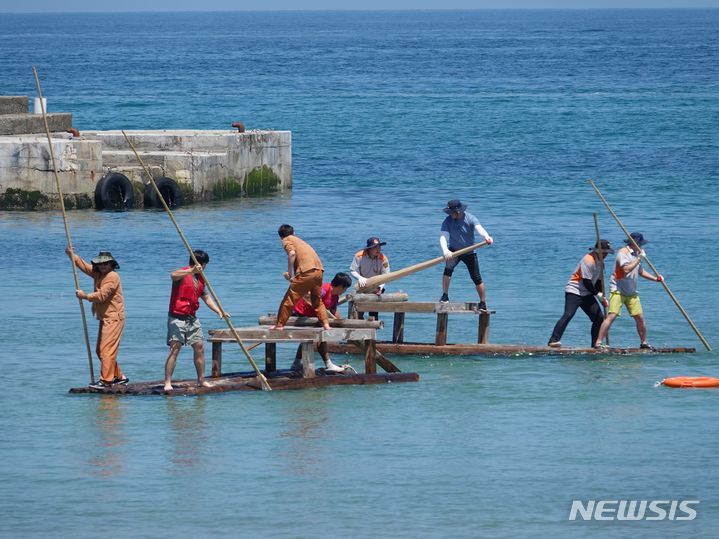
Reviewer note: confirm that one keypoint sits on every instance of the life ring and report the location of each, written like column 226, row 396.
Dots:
column 691, row 381
column 114, row 192
column 170, row 190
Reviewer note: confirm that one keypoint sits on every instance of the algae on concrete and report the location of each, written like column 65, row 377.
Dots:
column 19, row 199
column 78, row 201
column 138, row 189
column 188, row 194
column 227, row 188
column 261, row 181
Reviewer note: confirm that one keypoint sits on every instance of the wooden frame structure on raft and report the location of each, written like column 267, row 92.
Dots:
column 440, row 346
column 361, row 333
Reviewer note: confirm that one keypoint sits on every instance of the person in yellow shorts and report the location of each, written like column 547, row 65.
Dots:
column 623, row 289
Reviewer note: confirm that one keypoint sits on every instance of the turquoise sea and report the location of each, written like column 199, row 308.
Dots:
column 392, row 114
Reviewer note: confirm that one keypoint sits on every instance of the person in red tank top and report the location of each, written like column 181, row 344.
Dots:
column 183, row 327
column 331, row 293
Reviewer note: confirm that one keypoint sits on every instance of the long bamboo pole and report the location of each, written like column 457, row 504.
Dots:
column 377, row 280
column 265, row 384
column 67, row 226
column 600, row 252
column 639, row 250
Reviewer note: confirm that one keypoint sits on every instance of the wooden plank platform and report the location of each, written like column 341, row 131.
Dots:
column 279, row 380
column 466, row 307
column 476, row 349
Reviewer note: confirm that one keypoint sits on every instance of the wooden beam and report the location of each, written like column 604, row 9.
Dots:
column 308, row 360
column 377, row 280
column 270, row 357
column 483, row 332
column 440, row 337
column 467, row 307
column 292, row 334
column 387, row 297
column 307, row 321
column 216, row 359
column 384, row 362
column 248, row 382
column 398, row 327
column 380, row 358
column 475, row 349
column 370, row 357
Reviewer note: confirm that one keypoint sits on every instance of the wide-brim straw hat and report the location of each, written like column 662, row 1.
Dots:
column 105, row 256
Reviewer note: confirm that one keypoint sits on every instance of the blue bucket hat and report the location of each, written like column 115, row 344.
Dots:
column 453, row 206
column 638, row 237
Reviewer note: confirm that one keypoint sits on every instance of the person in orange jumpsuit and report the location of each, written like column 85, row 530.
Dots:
column 304, row 272
column 108, row 306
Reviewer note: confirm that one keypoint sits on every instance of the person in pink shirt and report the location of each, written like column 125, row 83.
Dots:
column 331, row 293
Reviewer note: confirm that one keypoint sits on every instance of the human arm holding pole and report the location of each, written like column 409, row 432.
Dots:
column 377, row 280
column 659, row 278
column 263, row 380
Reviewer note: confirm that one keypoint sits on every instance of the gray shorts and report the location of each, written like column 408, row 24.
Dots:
column 185, row 330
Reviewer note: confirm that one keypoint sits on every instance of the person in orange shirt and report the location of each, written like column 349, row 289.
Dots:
column 108, row 306
column 304, row 272
column 331, row 293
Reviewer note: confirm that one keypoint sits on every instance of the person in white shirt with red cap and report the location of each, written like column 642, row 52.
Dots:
column 457, row 232
column 623, row 288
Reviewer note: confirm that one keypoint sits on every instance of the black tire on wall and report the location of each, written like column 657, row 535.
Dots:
column 170, row 190
column 114, row 192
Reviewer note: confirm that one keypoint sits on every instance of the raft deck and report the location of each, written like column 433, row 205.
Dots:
column 363, row 337
column 476, row 349
column 482, row 347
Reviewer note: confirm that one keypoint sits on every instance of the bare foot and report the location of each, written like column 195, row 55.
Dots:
column 204, row 383
column 326, row 327
column 279, row 328
column 168, row 387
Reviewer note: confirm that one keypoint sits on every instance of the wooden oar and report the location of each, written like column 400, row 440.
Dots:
column 639, row 250
column 374, row 282
column 600, row 252
column 263, row 380
column 67, row 227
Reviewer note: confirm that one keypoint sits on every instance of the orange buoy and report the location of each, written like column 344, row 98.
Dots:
column 691, row 381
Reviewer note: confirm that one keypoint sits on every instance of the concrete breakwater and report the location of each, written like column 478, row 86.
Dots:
column 97, row 169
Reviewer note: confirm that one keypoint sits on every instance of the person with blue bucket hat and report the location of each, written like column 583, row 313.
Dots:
column 623, row 288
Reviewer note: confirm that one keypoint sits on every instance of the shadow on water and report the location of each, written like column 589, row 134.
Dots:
column 306, row 427
column 111, row 430
column 188, row 433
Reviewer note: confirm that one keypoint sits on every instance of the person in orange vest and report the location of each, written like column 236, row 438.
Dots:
column 108, row 306
column 183, row 326
column 583, row 287
column 370, row 262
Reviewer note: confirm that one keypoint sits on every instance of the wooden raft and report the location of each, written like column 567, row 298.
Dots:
column 307, row 337
column 482, row 347
column 476, row 349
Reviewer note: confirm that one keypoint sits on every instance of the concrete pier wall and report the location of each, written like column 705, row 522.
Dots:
column 206, row 165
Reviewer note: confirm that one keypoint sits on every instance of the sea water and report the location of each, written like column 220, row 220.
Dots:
column 392, row 114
